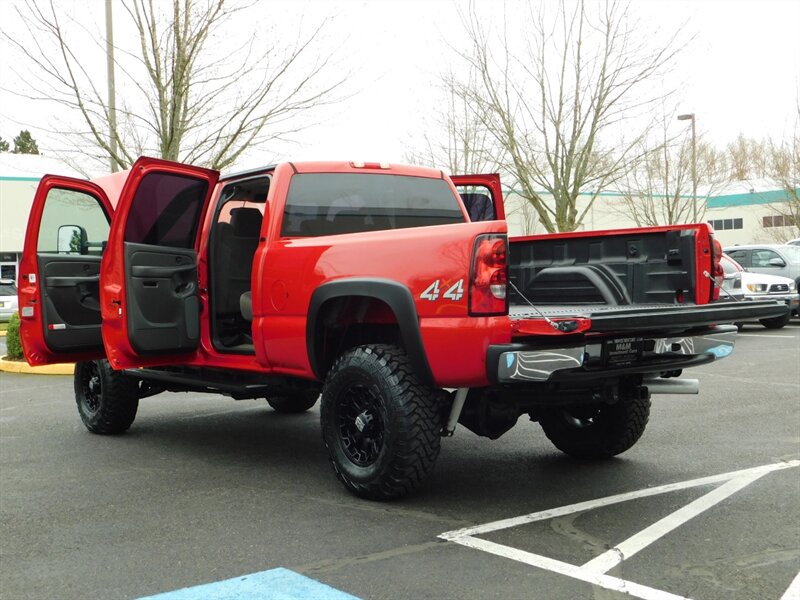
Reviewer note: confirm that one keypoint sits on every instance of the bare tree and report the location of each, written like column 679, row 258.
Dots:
column 784, row 169
column 558, row 110
column 748, row 158
column 457, row 141
column 187, row 95
column 657, row 188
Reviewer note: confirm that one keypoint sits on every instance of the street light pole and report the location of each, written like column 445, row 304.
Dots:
column 112, row 96
column 690, row 117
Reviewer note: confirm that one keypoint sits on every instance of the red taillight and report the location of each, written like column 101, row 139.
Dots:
column 487, row 290
column 717, row 270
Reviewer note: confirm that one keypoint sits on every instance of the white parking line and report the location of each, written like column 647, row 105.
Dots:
column 742, row 379
column 610, row 559
column 556, row 566
column 793, row 593
column 594, row 571
column 764, row 335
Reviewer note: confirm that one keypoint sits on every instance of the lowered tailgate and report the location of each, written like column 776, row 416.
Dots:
column 610, row 319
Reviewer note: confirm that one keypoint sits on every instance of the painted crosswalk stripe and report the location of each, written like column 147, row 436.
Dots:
column 275, row 584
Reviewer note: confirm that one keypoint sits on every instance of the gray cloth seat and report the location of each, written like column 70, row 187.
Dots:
column 246, row 305
column 237, row 246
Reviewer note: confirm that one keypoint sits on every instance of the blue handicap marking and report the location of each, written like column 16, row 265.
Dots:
column 510, row 360
column 721, row 351
column 275, row 584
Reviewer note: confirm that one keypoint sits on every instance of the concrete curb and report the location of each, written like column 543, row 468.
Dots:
column 14, row 366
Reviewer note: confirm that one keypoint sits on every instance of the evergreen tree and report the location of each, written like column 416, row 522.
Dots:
column 25, row 144
column 3, row 145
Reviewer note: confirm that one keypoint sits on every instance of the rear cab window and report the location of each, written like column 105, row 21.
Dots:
column 335, row 203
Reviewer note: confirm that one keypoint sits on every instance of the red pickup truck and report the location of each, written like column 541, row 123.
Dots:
column 391, row 291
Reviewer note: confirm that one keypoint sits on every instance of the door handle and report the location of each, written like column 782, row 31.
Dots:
column 184, row 290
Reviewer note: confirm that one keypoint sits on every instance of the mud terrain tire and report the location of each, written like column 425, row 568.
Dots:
column 294, row 403
column 381, row 426
column 597, row 431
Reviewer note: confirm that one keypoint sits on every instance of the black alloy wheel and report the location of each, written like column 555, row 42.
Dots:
column 91, row 387
column 361, row 426
column 107, row 399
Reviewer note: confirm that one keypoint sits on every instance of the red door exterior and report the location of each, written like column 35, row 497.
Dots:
column 490, row 183
column 59, row 274
column 149, row 281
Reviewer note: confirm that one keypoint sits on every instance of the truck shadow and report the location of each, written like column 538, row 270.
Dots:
column 255, row 446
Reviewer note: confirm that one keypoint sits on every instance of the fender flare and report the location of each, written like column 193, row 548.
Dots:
column 399, row 299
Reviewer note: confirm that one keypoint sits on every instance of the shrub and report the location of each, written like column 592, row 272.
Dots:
column 13, row 343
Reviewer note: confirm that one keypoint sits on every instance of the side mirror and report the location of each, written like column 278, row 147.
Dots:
column 72, row 239
column 776, row 262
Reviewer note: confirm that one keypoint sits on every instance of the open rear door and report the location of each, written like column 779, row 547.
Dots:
column 149, row 292
column 482, row 196
column 59, row 284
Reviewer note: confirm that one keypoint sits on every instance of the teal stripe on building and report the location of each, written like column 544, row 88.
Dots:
column 749, row 198
column 728, row 200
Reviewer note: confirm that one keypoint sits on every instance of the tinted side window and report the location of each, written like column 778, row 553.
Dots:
column 740, row 256
column 333, row 203
column 165, row 210
column 72, row 223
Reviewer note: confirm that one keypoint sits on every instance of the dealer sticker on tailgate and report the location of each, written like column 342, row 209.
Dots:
column 619, row 352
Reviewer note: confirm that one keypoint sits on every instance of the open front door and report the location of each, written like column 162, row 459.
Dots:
column 59, row 283
column 482, row 196
column 149, row 294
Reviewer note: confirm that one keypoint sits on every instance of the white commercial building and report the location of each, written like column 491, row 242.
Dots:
column 741, row 213
column 19, row 177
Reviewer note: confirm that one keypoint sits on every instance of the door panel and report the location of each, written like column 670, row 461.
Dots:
column 59, row 272
column 70, row 288
column 163, row 308
column 482, row 196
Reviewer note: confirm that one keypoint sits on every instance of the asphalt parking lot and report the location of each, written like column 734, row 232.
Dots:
column 204, row 489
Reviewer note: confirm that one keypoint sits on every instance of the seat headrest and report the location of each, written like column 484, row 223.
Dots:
column 246, row 222
column 479, row 206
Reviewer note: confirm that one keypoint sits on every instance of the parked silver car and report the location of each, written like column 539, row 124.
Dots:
column 8, row 299
column 770, row 259
column 739, row 285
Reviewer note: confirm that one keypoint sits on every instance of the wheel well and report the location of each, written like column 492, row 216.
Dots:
column 345, row 322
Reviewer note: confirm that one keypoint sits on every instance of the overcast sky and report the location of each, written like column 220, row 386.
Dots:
column 740, row 74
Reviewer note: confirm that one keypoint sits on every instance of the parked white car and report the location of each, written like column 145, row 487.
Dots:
column 741, row 285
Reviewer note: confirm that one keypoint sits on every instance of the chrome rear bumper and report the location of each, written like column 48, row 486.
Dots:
column 611, row 356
